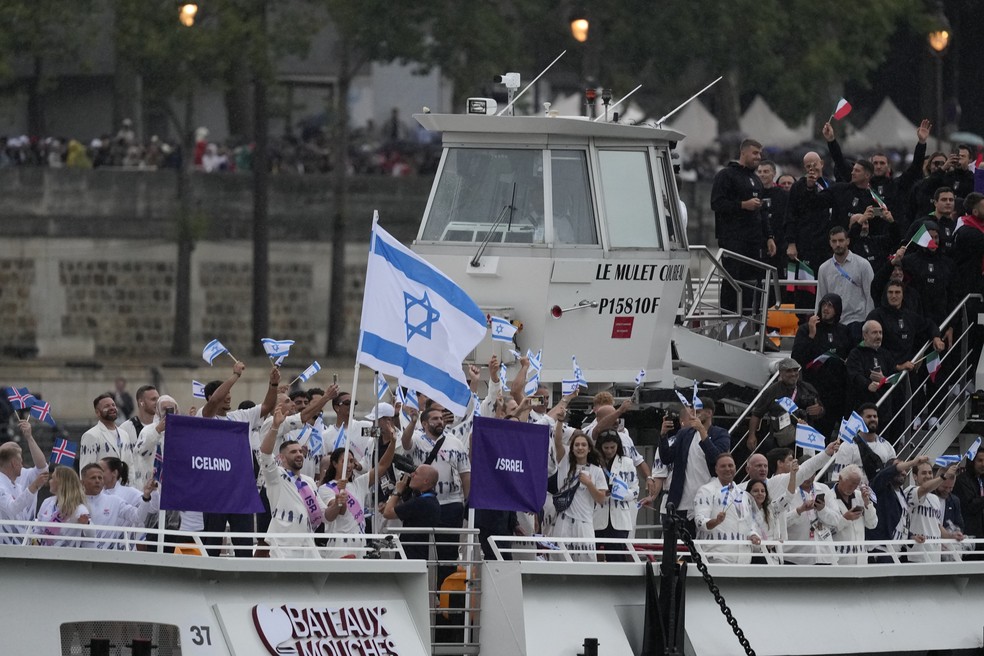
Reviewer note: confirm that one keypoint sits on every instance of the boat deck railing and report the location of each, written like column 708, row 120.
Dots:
column 861, row 553
column 453, row 563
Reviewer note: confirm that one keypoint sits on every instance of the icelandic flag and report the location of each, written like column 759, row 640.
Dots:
column 933, row 365
column 310, row 371
column 197, row 389
column 20, row 399
column 205, row 455
column 277, row 350
column 843, row 109
column 383, row 387
column 808, row 437
column 508, row 465
column 578, row 374
column 787, row 404
column 640, row 377
column 946, row 461
column 698, row 404
column 972, row 451
column 63, row 452
column 159, row 464
column 924, row 239
column 502, row 330
column 417, row 324
column 42, row 412
column 213, row 350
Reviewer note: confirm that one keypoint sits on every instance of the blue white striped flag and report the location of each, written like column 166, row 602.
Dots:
column 277, row 350
column 503, row 377
column 972, row 451
column 310, row 371
column 698, row 404
column 620, row 489
column 578, row 374
column 947, row 460
column 436, row 323
column 787, row 404
column 808, row 437
column 340, row 438
column 317, row 441
column 213, row 350
column 682, row 398
column 851, row 426
column 502, row 330
column 478, row 405
column 640, row 377
column 568, row 387
column 382, row 387
column 197, row 389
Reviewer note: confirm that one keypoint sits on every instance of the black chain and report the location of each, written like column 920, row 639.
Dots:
column 718, row 597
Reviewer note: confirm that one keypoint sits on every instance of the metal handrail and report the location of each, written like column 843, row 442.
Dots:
column 693, row 301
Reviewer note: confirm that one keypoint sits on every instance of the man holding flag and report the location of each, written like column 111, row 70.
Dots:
column 930, row 273
column 785, row 399
column 19, row 486
column 866, row 448
column 820, row 347
column 869, row 368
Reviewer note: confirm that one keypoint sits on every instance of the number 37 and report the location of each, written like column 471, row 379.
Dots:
column 203, row 635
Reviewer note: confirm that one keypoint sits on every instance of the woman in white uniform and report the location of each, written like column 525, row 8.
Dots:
column 67, row 506
column 345, row 501
column 616, row 517
column 582, row 480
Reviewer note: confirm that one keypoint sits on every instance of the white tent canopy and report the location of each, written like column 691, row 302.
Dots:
column 761, row 123
column 698, row 124
column 889, row 128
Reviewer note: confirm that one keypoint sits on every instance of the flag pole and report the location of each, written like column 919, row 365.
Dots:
column 355, row 373
column 231, row 356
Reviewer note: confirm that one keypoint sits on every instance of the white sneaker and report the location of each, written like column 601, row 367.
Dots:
column 917, row 423
column 932, row 422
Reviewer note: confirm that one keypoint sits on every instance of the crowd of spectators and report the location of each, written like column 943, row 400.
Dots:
column 392, row 150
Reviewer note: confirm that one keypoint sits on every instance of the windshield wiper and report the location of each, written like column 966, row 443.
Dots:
column 477, row 260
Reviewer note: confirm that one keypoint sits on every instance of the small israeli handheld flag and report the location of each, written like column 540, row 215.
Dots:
column 502, row 330
column 213, row 350
column 578, row 374
column 682, row 398
column 197, row 389
column 620, row 489
column 383, row 387
column 787, row 404
column 640, row 377
column 698, row 404
column 277, row 350
column 972, row 451
column 808, row 437
column 310, row 371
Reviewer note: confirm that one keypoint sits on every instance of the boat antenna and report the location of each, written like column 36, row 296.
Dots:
column 519, row 95
column 659, row 123
column 625, row 97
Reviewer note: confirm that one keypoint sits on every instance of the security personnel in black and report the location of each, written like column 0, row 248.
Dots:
column 739, row 224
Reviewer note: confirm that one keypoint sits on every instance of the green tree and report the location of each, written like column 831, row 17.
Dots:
column 39, row 35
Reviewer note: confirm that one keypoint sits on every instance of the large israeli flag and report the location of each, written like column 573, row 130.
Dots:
column 417, row 325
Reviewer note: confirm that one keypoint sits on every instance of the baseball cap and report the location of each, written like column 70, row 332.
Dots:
column 384, row 410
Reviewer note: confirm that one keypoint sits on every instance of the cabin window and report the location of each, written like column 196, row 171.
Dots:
column 573, row 213
column 629, row 197
column 675, row 231
column 477, row 188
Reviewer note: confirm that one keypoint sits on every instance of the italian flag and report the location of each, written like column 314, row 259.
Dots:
column 933, row 365
column 878, row 199
column 806, row 273
column 800, row 271
column 890, row 380
column 820, row 359
column 842, row 110
column 924, row 239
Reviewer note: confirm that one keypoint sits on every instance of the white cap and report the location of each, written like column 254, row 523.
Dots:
column 385, row 410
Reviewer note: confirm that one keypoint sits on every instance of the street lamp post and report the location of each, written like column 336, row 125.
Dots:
column 579, row 31
column 939, row 41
